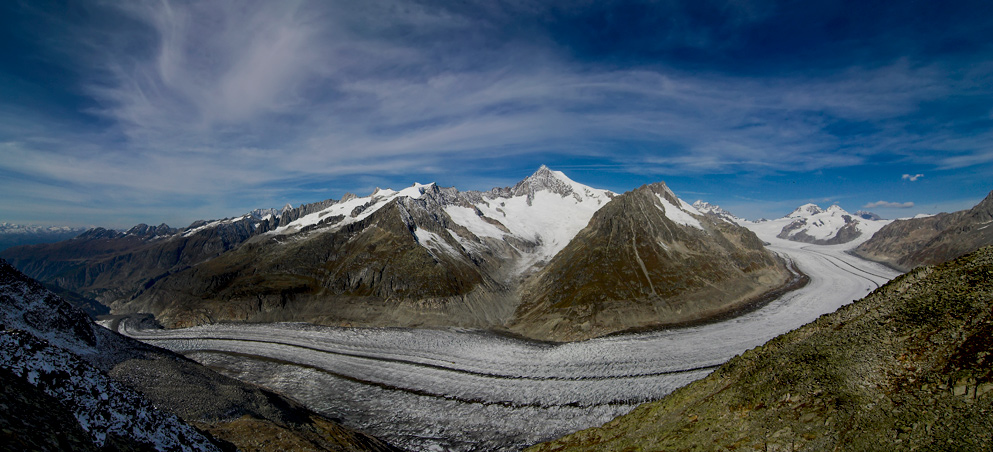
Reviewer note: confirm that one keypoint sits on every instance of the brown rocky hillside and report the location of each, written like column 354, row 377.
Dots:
column 909, row 367
column 905, row 244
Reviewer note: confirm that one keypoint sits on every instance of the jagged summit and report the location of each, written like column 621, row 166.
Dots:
column 707, row 208
column 546, row 180
column 805, row 210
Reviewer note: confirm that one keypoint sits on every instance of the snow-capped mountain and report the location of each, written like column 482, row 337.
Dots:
column 707, row 208
column 16, row 234
column 536, row 218
column 421, row 256
column 811, row 224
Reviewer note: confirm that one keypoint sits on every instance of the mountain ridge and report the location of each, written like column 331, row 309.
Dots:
column 425, row 256
column 904, row 244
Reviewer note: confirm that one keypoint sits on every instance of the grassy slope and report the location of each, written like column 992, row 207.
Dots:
column 908, row 367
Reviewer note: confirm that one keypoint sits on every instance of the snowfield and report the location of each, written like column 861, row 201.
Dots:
column 474, row 390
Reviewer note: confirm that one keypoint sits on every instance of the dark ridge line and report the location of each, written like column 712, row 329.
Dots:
column 434, row 366
column 419, row 392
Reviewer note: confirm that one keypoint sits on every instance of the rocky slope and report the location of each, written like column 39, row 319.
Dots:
column 906, row 368
column 646, row 258
column 905, row 244
column 423, row 256
column 125, row 395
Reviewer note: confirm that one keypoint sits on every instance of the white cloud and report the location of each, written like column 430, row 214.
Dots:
column 912, row 178
column 889, row 205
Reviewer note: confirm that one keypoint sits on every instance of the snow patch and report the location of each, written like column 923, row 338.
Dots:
column 679, row 215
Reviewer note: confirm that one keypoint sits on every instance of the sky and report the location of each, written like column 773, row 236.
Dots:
column 117, row 113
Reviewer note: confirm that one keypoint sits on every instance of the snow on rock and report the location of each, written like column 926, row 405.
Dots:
column 545, row 211
column 682, row 214
column 102, row 406
column 811, row 224
column 714, row 210
column 352, row 209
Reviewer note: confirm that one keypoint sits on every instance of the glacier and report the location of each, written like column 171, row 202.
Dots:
column 468, row 390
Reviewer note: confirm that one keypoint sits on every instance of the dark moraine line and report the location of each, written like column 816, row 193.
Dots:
column 834, row 261
column 424, row 365
column 421, row 392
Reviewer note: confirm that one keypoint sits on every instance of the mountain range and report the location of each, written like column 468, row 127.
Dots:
column 508, row 258
column 12, row 235
column 832, row 226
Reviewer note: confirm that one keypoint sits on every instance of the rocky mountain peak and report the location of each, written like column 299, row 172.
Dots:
column 544, row 180
column 144, row 230
column 805, row 210
column 984, row 210
column 661, row 189
column 707, row 208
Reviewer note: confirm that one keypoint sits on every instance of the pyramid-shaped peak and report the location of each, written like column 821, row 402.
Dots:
column 545, row 179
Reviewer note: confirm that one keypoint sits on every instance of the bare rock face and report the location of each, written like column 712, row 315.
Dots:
column 646, row 260
column 906, row 368
column 905, row 244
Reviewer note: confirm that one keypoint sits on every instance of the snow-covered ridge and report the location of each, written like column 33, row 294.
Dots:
column 812, row 224
column 546, row 209
column 352, row 208
column 13, row 228
column 716, row 211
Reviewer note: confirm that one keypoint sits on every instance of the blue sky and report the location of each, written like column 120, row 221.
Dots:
column 115, row 113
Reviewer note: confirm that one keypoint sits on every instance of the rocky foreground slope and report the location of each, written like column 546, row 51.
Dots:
column 526, row 258
column 905, row 244
column 69, row 384
column 907, row 368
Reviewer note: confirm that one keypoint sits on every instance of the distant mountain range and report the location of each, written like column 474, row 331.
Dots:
column 12, row 235
column 508, row 258
column 832, row 226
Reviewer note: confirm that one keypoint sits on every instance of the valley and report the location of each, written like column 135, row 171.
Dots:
column 467, row 389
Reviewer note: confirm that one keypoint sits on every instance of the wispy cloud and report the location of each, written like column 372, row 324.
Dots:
column 912, row 178
column 220, row 99
column 889, row 205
